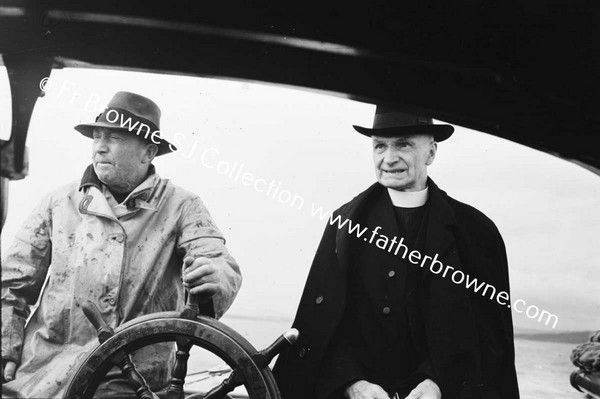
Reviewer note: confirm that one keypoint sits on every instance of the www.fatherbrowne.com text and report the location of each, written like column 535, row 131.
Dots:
column 396, row 246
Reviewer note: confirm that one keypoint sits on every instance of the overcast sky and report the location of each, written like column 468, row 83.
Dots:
column 546, row 209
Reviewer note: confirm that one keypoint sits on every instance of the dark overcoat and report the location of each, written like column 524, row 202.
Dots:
column 469, row 337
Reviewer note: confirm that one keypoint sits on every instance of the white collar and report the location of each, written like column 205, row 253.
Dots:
column 408, row 199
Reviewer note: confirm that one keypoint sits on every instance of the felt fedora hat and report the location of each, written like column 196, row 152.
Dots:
column 389, row 122
column 130, row 112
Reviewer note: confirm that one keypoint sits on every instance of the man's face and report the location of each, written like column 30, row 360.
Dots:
column 121, row 160
column 401, row 162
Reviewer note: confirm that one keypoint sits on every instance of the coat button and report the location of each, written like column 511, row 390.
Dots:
column 119, row 237
column 391, row 273
column 302, row 353
column 112, row 301
column 319, row 300
column 386, row 310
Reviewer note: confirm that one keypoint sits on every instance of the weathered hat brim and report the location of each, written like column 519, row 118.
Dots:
column 439, row 132
column 87, row 129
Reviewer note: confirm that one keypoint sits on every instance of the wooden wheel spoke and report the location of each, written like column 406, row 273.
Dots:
column 250, row 367
column 133, row 377
column 119, row 358
column 175, row 390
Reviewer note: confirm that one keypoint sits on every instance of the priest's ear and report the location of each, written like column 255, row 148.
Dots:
column 431, row 152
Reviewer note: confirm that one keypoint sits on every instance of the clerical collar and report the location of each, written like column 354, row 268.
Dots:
column 408, row 199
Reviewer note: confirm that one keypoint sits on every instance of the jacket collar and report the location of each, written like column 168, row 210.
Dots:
column 145, row 196
column 441, row 222
column 441, row 212
column 143, row 192
column 90, row 178
column 441, row 219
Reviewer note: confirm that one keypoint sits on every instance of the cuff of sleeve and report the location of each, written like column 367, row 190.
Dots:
column 336, row 377
column 424, row 372
column 336, row 388
column 13, row 331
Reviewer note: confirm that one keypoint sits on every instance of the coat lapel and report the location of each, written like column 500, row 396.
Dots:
column 439, row 233
column 351, row 211
column 447, row 311
column 94, row 203
column 439, row 227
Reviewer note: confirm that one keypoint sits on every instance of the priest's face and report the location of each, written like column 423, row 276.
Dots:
column 401, row 162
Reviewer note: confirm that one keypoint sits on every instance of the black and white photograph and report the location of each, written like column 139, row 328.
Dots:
column 259, row 200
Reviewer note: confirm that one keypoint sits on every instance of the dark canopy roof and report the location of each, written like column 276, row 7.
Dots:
column 527, row 71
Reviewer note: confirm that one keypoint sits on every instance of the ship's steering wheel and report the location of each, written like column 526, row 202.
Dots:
column 249, row 366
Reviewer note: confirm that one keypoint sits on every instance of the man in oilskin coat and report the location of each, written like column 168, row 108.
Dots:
column 123, row 238
column 373, row 324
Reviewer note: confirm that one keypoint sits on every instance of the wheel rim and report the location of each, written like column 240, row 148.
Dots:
column 204, row 332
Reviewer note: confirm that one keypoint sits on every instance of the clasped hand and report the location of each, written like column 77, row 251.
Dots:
column 366, row 390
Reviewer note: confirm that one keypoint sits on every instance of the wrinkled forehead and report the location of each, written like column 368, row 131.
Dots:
column 102, row 129
column 410, row 138
column 129, row 136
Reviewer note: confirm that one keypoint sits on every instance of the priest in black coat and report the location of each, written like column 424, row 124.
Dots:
column 407, row 294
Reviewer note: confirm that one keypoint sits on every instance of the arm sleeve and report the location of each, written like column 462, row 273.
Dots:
column 200, row 237
column 319, row 364
column 425, row 371
column 495, row 329
column 506, row 376
column 340, row 366
column 24, row 269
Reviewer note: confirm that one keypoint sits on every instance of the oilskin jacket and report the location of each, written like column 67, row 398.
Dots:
column 469, row 337
column 79, row 244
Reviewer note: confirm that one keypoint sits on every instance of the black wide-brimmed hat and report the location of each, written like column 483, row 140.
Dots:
column 389, row 122
column 130, row 112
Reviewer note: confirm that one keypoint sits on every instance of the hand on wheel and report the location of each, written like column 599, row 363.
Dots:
column 204, row 278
